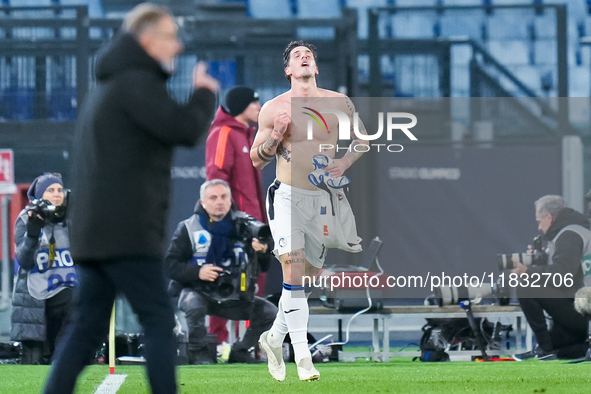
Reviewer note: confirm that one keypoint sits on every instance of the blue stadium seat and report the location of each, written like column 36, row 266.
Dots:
column 511, row 2
column 29, row 3
column 509, row 24
column 545, row 52
column 362, row 6
column 62, row 103
column 413, row 25
column 415, row 3
column 462, row 2
column 270, row 9
column 95, row 7
column 586, row 55
column 18, row 103
column 461, row 24
column 579, row 84
column 530, row 76
column 460, row 81
column 316, row 32
column 309, row 9
column 224, row 71
column 544, row 26
column 509, row 52
column 461, row 55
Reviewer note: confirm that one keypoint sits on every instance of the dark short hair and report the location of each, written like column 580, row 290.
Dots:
column 290, row 47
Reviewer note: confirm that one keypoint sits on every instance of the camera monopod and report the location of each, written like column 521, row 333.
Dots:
column 467, row 306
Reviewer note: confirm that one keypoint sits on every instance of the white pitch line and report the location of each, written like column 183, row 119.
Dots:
column 111, row 384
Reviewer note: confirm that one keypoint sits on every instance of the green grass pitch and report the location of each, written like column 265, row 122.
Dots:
column 398, row 376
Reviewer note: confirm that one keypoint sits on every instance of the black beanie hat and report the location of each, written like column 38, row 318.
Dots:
column 238, row 98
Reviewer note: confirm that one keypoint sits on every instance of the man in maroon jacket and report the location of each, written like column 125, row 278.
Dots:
column 227, row 157
column 228, row 150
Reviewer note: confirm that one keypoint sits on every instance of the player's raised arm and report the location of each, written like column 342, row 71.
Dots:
column 339, row 166
column 272, row 127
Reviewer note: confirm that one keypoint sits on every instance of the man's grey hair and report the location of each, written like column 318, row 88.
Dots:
column 550, row 204
column 142, row 17
column 213, row 182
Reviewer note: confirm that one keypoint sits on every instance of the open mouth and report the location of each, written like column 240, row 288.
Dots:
column 305, row 64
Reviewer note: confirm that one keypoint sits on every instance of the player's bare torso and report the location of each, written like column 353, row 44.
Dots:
column 295, row 151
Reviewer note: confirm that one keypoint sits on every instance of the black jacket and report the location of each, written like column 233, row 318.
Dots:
column 180, row 251
column 125, row 137
column 568, row 250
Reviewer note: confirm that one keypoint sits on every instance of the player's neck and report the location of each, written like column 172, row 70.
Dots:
column 304, row 88
column 240, row 118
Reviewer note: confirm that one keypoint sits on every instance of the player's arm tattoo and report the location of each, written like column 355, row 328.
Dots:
column 284, row 152
column 294, row 257
column 352, row 155
column 265, row 150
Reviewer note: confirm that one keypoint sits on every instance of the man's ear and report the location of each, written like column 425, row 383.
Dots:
column 288, row 71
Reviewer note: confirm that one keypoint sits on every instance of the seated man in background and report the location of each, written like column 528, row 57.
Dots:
column 569, row 241
column 215, row 256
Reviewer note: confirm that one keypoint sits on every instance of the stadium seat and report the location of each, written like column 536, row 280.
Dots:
column 579, row 82
column 310, row 9
column 95, row 7
column 511, row 2
column 462, row 2
column 509, row 24
column 543, row 26
column 269, row 9
column 62, row 103
column 417, row 25
column 224, row 71
column 18, row 103
column 362, row 6
column 460, row 55
column 316, row 32
column 461, row 24
column 509, row 52
column 545, row 52
column 460, row 81
column 416, row 3
column 530, row 76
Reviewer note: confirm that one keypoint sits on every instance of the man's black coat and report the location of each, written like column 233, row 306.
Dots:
column 125, row 137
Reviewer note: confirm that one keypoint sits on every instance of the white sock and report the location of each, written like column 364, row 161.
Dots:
column 278, row 331
column 296, row 312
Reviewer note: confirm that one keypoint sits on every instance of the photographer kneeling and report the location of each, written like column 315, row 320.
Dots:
column 569, row 240
column 215, row 257
column 42, row 296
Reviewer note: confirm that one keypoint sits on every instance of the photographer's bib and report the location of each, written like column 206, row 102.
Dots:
column 585, row 235
column 47, row 278
column 200, row 240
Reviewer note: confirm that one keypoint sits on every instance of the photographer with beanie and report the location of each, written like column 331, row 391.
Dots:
column 227, row 157
column 46, row 274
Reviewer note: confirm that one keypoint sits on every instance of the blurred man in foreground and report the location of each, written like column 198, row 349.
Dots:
column 125, row 139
